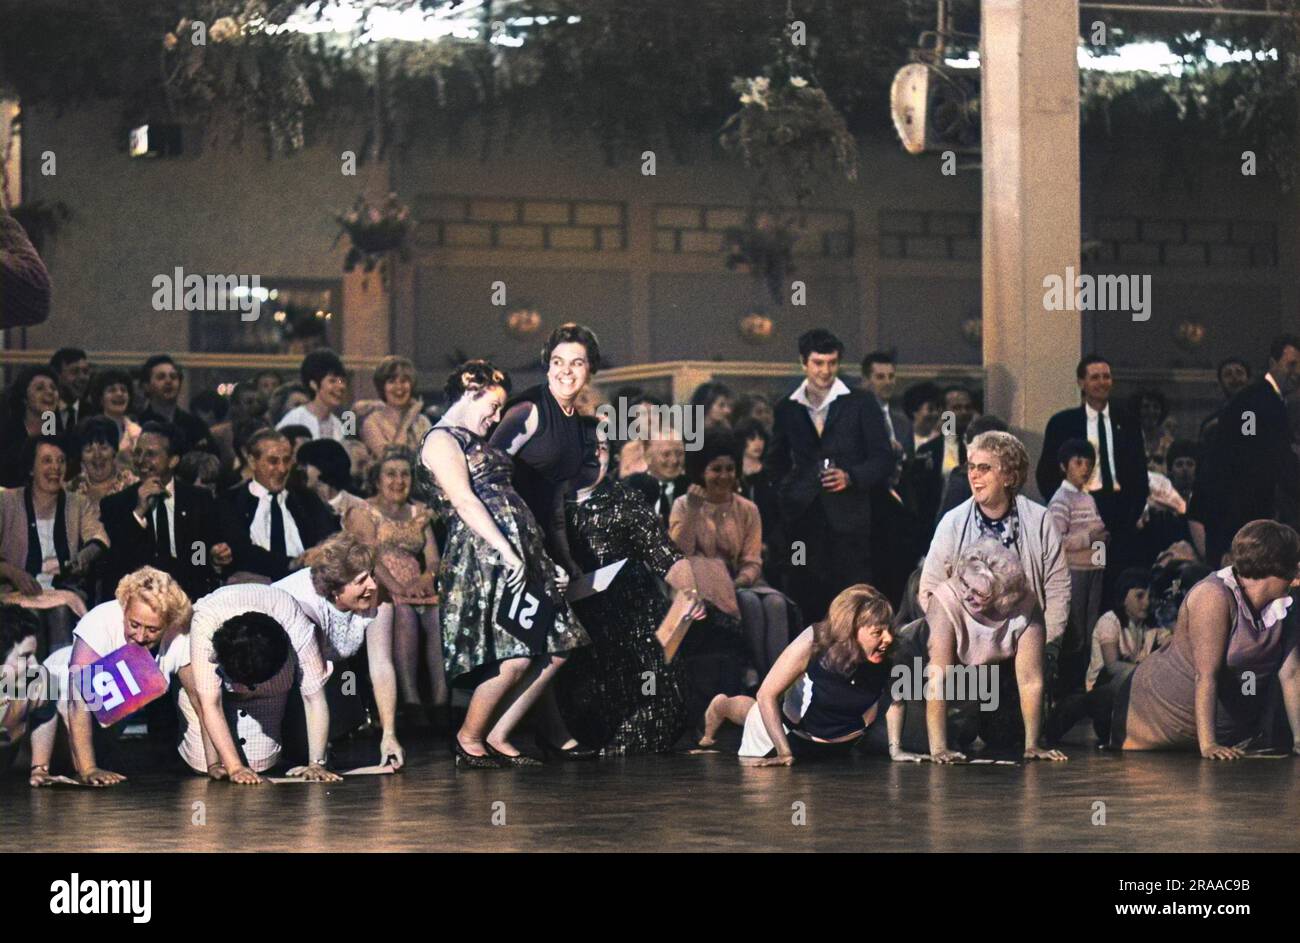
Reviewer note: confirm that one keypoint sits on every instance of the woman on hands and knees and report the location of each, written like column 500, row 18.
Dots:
column 26, row 704
column 823, row 692
column 1206, row 689
column 338, row 592
column 506, row 625
column 980, row 622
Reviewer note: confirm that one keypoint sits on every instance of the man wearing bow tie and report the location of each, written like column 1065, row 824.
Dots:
column 267, row 525
column 663, row 482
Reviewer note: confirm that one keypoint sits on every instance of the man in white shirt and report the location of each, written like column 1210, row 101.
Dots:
column 267, row 524
column 250, row 646
column 151, row 611
column 663, row 481
column 325, row 376
column 830, row 446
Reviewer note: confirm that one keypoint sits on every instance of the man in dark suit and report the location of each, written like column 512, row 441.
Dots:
column 1249, row 464
column 664, row 481
column 936, row 461
column 162, row 522
column 268, row 525
column 161, row 377
column 1119, row 478
column 830, row 447
column 73, row 369
column 879, row 378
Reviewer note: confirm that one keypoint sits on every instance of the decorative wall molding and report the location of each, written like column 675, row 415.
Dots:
column 699, row 229
column 519, row 223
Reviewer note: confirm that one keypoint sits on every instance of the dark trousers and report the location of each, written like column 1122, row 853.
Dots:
column 831, row 562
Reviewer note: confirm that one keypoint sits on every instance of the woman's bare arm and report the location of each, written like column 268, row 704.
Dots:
column 785, row 672
column 1209, row 620
column 445, row 460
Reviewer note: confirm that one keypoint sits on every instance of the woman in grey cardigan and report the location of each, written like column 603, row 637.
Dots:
column 997, row 466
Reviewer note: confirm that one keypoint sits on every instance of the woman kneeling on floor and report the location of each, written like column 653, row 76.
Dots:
column 833, row 677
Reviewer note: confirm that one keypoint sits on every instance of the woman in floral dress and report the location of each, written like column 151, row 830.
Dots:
column 506, row 625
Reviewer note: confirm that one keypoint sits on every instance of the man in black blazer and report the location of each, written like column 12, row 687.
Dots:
column 1119, row 478
column 830, row 447
column 1249, row 463
column 268, row 525
column 664, row 481
column 162, row 522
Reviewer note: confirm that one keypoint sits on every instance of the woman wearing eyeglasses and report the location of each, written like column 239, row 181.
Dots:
column 997, row 466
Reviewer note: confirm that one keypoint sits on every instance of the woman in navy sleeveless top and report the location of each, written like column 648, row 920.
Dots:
column 542, row 431
column 823, row 692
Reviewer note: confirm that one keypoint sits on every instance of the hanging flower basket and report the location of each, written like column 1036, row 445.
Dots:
column 374, row 231
column 788, row 130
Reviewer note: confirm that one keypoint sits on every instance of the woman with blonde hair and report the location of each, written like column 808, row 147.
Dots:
column 982, row 617
column 823, row 692
column 150, row 610
column 998, row 465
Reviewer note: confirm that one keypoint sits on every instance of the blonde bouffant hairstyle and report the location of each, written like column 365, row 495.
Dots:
column 997, row 567
column 159, row 592
column 835, row 638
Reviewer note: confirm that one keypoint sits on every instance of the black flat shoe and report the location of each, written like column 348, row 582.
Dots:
column 467, row 760
column 505, row 759
column 577, row 752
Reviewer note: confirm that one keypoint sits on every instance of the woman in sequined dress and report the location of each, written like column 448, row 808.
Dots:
column 619, row 694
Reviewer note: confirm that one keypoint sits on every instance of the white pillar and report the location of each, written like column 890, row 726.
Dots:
column 1030, row 118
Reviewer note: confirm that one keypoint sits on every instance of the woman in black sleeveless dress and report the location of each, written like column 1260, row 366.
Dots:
column 542, row 431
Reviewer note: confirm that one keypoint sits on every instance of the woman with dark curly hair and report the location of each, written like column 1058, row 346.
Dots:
column 713, row 520
column 31, row 410
column 506, row 626
column 110, row 396
column 603, row 693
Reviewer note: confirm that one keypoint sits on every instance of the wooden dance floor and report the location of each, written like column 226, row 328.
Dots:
column 1174, row 803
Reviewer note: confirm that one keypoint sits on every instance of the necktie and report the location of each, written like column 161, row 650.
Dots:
column 161, row 529
column 277, row 526
column 665, row 502
column 1103, row 454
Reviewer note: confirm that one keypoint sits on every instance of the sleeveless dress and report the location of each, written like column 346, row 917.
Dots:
column 545, row 464
column 471, row 579
column 822, row 705
column 400, row 546
column 1156, row 709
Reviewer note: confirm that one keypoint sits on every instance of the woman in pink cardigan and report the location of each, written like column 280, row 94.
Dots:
column 711, row 520
column 48, row 541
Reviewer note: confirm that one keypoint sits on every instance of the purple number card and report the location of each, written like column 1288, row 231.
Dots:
column 121, row 683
